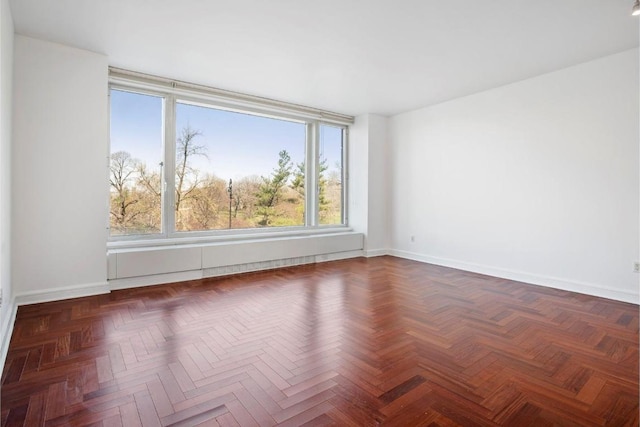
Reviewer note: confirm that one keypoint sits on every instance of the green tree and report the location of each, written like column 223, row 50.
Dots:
column 297, row 183
column 333, row 213
column 271, row 188
column 322, row 186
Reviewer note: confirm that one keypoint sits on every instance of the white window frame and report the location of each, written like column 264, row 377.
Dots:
column 173, row 92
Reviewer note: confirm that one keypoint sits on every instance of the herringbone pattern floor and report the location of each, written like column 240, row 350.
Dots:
column 354, row 343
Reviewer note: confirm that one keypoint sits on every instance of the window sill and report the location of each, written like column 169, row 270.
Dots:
column 184, row 241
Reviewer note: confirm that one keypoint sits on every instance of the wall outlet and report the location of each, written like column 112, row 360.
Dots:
column 412, row 239
column 636, row 267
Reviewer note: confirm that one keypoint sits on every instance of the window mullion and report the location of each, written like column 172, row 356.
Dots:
column 168, row 207
column 308, row 181
column 316, row 174
column 311, row 176
column 345, row 175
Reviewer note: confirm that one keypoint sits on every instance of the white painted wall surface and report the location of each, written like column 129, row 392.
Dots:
column 358, row 187
column 6, row 81
column 535, row 181
column 59, row 168
column 368, row 181
column 378, row 186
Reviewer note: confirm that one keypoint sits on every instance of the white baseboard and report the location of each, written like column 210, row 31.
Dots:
column 9, row 319
column 519, row 276
column 58, row 294
column 376, row 252
column 337, row 256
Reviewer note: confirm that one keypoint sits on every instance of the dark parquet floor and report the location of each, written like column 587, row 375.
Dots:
column 381, row 341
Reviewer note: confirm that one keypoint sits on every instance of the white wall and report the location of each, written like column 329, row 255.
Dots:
column 378, row 208
column 6, row 79
column 358, row 187
column 59, row 168
column 368, row 182
column 535, row 181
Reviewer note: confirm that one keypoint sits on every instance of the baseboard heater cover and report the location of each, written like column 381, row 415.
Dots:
column 256, row 266
column 230, row 257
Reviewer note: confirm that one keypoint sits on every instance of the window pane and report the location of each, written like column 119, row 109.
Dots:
column 135, row 167
column 330, row 175
column 262, row 158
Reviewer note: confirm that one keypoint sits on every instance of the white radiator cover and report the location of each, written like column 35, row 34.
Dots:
column 225, row 270
column 220, row 258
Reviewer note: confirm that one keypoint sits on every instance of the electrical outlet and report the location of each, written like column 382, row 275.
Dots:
column 636, row 267
column 412, row 238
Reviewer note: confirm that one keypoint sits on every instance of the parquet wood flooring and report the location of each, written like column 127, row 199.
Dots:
column 362, row 342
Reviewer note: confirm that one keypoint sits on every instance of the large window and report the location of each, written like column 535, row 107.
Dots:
column 190, row 165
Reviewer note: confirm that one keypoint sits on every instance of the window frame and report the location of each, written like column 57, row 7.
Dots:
column 163, row 219
column 343, row 177
column 174, row 92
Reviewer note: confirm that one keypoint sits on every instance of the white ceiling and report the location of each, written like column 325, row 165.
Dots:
column 347, row 56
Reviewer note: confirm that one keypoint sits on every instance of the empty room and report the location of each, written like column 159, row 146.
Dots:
column 351, row 213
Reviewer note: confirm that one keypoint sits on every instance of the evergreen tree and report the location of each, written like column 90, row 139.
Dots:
column 270, row 190
column 298, row 183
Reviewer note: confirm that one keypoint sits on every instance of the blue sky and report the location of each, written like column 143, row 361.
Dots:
column 237, row 145
column 136, row 126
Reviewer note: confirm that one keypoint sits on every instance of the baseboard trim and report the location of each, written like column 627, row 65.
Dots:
column 66, row 292
column 8, row 322
column 376, row 252
column 337, row 256
column 519, row 276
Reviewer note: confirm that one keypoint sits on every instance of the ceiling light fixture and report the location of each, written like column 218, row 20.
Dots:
column 635, row 10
